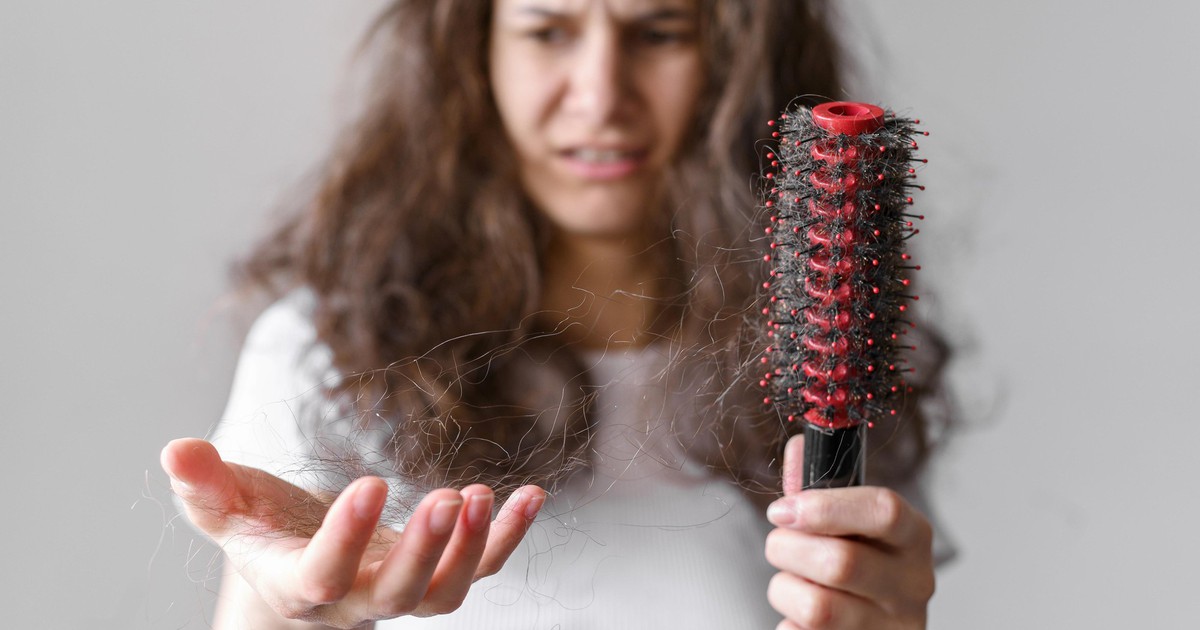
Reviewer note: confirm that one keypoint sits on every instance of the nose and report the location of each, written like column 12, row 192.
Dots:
column 598, row 80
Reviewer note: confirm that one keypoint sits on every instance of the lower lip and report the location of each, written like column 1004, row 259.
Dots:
column 603, row 171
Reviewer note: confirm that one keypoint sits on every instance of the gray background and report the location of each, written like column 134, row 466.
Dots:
column 144, row 143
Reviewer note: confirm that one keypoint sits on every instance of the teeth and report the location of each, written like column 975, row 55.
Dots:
column 600, row 156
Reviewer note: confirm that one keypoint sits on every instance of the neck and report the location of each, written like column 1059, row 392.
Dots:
column 603, row 292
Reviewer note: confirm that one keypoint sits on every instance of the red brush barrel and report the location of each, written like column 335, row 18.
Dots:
column 838, row 184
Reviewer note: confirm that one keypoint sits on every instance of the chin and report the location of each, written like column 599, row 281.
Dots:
column 601, row 214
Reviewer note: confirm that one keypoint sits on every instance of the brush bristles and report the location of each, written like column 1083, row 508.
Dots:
column 838, row 283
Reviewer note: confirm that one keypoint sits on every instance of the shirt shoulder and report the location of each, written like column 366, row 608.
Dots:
column 279, row 396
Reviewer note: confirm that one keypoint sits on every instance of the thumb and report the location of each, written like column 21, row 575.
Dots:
column 793, row 465
column 206, row 485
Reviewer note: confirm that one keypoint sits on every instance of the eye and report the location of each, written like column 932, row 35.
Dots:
column 548, row 35
column 651, row 36
column 655, row 36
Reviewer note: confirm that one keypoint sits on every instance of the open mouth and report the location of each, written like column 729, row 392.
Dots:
column 603, row 164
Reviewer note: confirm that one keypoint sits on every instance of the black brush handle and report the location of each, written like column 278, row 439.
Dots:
column 834, row 458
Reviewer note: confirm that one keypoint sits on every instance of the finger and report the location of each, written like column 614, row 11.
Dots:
column 456, row 571
column 329, row 564
column 793, row 465
column 510, row 527
column 223, row 498
column 207, row 486
column 840, row 563
column 878, row 514
column 403, row 577
column 810, row 606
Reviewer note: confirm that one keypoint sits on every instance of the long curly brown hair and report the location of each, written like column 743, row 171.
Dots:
column 426, row 256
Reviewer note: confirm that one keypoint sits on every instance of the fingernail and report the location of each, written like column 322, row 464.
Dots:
column 365, row 502
column 441, row 521
column 479, row 511
column 781, row 514
column 534, row 506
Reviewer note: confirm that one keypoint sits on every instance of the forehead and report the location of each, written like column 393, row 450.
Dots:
column 618, row 8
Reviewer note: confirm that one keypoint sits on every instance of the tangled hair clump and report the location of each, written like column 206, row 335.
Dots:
column 426, row 256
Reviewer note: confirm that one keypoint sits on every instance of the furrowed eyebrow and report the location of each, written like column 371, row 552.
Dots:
column 654, row 15
column 665, row 14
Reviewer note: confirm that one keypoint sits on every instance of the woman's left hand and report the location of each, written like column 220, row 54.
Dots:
column 848, row 558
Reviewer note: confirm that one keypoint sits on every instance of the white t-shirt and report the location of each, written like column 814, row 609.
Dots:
column 641, row 539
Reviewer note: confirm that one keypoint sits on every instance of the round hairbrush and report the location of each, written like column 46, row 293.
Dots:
column 839, row 196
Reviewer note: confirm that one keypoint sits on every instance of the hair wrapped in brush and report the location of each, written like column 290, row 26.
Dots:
column 838, row 194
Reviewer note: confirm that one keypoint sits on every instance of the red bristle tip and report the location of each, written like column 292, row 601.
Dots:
column 770, row 156
column 770, row 123
column 870, row 425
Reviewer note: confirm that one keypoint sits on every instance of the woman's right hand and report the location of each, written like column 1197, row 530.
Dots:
column 349, row 571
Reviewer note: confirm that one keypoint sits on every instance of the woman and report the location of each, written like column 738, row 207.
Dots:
column 526, row 267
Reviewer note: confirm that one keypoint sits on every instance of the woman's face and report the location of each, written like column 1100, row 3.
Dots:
column 595, row 96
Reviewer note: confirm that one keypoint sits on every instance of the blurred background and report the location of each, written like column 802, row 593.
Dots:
column 144, row 144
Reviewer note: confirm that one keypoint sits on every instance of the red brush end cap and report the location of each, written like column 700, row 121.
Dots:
column 848, row 118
